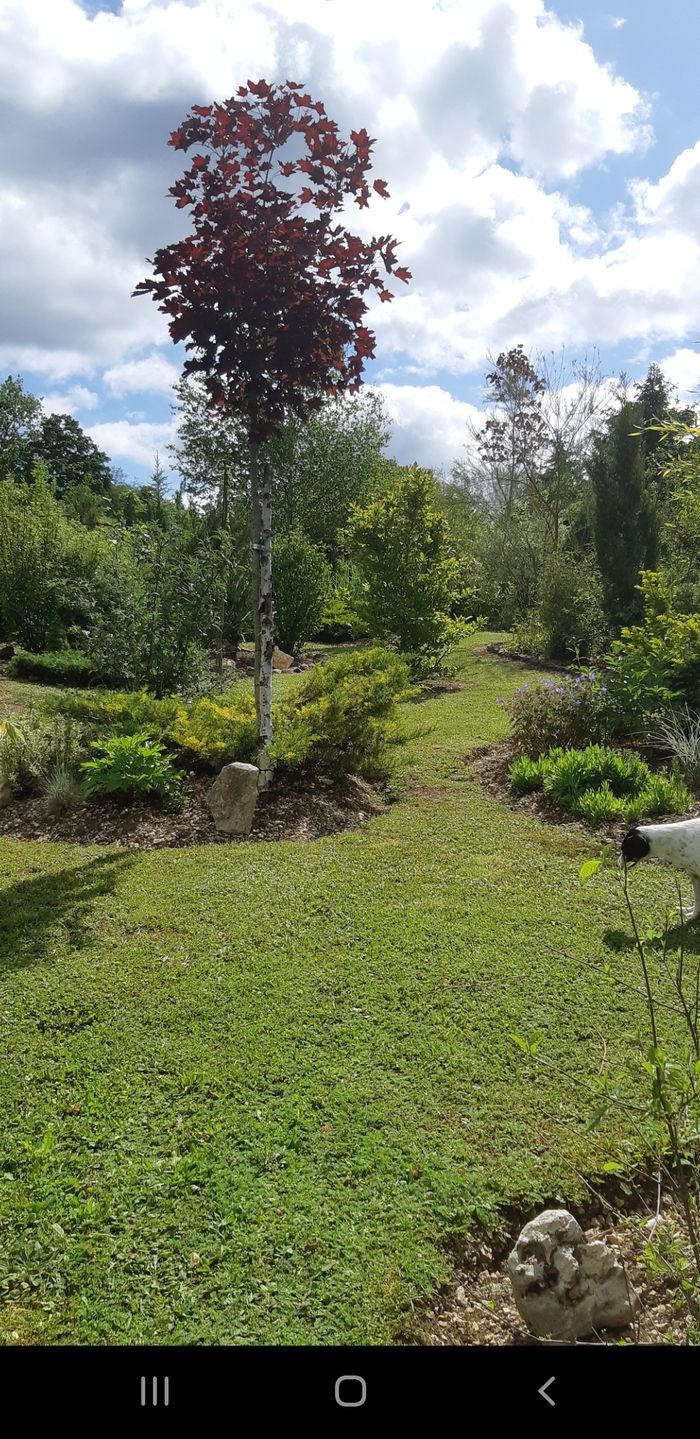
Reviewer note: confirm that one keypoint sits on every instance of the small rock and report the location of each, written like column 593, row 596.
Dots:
column 7, row 793
column 564, row 1287
column 233, row 797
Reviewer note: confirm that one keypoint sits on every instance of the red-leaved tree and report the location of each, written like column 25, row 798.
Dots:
column 267, row 296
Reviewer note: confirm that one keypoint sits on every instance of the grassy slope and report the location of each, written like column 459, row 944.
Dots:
column 248, row 1091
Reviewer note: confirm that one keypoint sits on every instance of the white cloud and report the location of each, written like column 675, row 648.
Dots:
column 138, row 442
column 153, row 374
column 673, row 203
column 617, row 21
column 479, row 111
column 75, row 399
column 428, row 425
column 683, row 369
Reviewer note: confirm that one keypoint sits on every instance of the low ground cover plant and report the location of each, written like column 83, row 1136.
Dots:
column 598, row 784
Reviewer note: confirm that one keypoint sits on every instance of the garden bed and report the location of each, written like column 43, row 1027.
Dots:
column 502, row 653
column 489, row 766
column 299, row 808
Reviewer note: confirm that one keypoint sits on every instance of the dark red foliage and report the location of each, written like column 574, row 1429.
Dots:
column 270, row 301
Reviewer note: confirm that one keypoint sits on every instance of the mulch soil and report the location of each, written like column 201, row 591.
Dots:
column 300, row 808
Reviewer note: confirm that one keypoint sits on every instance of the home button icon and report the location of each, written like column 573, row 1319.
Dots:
column 350, row 1391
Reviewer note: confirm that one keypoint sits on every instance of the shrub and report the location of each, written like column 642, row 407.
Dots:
column 400, row 543
column 343, row 716
column 165, row 594
column 216, row 731
column 655, row 663
column 681, row 735
column 301, row 578
column 120, row 712
column 341, row 619
column 662, row 794
column 68, row 667
column 29, row 755
column 598, row 784
column 637, row 690
column 570, row 712
column 569, row 618
column 339, row 622
column 211, row 730
column 131, row 765
column 22, row 754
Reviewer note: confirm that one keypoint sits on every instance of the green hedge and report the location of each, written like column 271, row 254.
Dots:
column 67, row 667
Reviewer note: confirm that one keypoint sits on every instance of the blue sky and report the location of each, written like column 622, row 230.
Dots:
column 543, row 163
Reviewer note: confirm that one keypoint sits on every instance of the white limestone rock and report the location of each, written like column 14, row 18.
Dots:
column 563, row 1286
column 233, row 797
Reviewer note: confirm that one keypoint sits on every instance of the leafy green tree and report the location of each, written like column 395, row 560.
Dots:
column 71, row 457
column 400, row 542
column 679, row 458
column 321, row 467
column 49, row 565
column 20, row 426
column 302, row 583
column 212, row 458
column 626, row 526
column 162, row 609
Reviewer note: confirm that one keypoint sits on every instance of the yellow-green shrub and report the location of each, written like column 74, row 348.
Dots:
column 216, row 732
column 119, row 712
column 343, row 719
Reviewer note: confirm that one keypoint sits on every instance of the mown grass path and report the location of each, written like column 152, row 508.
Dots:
column 248, row 1092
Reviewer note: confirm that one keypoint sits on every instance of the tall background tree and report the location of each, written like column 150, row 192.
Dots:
column 268, row 298
column 20, row 426
column 626, row 522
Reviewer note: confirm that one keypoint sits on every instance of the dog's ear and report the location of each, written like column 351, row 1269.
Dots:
column 635, row 846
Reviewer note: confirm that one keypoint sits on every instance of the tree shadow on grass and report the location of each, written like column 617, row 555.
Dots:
column 622, row 943
column 35, row 911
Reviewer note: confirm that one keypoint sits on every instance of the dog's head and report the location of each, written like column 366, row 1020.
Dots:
column 635, row 846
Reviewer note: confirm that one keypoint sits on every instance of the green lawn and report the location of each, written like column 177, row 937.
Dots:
column 250, row 1092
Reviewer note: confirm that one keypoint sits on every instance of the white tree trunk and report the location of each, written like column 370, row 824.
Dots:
column 263, row 606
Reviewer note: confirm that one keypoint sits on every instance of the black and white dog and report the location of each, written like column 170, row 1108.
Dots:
column 675, row 844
